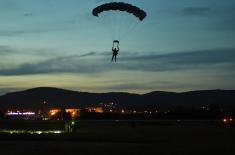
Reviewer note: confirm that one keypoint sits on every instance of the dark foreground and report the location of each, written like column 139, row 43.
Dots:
column 127, row 137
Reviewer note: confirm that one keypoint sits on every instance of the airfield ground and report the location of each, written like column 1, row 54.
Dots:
column 163, row 137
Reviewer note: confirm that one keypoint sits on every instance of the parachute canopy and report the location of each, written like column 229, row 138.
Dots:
column 139, row 13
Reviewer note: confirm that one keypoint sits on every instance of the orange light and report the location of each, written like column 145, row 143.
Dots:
column 95, row 109
column 225, row 120
column 231, row 119
column 54, row 112
column 73, row 112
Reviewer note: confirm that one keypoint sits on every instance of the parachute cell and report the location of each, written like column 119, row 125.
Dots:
column 139, row 13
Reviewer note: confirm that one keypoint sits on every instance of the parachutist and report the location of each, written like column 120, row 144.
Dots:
column 115, row 50
column 118, row 8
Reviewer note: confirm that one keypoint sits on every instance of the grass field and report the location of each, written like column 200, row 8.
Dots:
column 125, row 137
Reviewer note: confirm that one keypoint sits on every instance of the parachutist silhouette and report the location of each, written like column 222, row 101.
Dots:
column 115, row 50
column 118, row 7
column 115, row 53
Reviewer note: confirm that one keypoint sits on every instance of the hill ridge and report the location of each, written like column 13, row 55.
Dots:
column 63, row 98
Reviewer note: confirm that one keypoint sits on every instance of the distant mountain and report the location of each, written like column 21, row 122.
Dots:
column 60, row 98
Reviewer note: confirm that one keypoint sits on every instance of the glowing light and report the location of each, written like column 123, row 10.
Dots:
column 31, row 132
column 73, row 112
column 20, row 113
column 225, row 120
column 73, row 122
column 57, row 132
column 54, row 112
column 231, row 119
column 95, row 109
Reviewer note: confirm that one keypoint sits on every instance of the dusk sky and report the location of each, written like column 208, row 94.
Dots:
column 182, row 45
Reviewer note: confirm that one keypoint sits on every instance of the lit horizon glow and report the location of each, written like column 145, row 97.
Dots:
column 180, row 46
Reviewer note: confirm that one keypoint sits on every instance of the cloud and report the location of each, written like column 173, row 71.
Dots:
column 150, row 86
column 10, row 5
column 141, row 86
column 94, row 62
column 224, row 24
column 73, row 63
column 183, row 60
column 6, row 50
column 195, row 11
column 221, row 18
column 28, row 31
column 28, row 14
column 88, row 54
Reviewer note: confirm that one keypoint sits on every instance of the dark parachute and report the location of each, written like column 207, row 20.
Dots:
column 139, row 13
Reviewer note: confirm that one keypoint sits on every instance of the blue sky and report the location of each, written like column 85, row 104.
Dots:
column 181, row 46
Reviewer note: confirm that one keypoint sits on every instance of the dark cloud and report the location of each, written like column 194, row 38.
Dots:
column 73, row 63
column 195, row 11
column 37, row 30
column 12, row 51
column 22, row 32
column 141, row 86
column 221, row 18
column 183, row 60
column 94, row 62
column 224, row 24
column 28, row 14
column 6, row 50
column 88, row 54
column 10, row 5
column 155, row 85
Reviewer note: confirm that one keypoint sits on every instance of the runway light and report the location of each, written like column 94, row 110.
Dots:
column 57, row 132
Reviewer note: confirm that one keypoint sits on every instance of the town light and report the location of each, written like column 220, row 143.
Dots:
column 224, row 120
column 18, row 113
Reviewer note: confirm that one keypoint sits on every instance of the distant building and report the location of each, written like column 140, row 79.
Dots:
column 95, row 109
column 22, row 114
column 74, row 113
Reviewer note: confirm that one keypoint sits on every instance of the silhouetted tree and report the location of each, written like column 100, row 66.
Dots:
column 65, row 116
